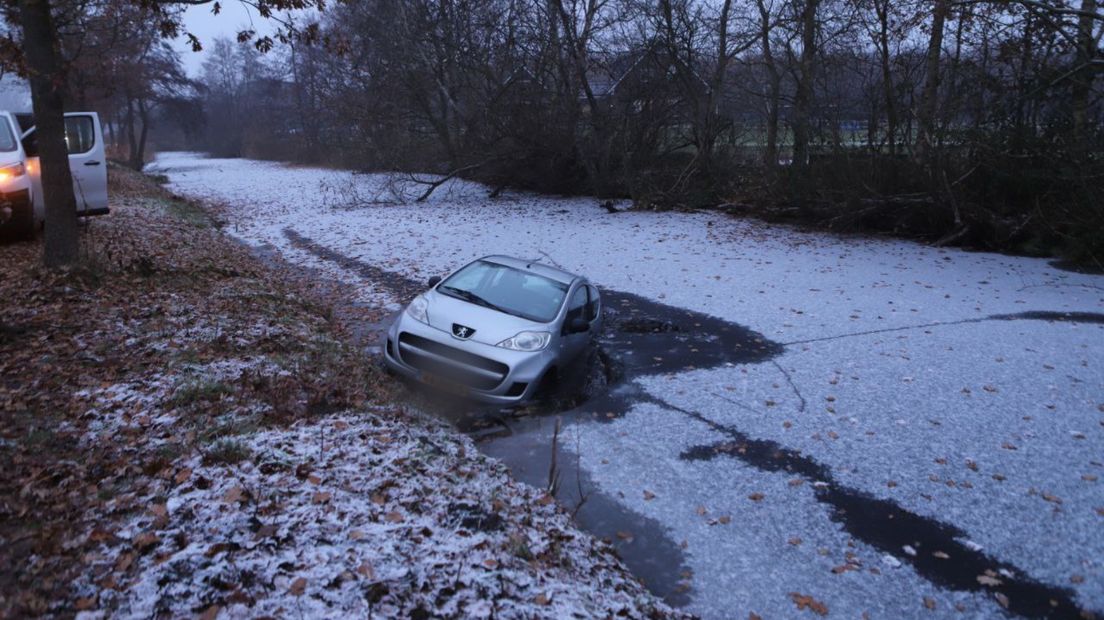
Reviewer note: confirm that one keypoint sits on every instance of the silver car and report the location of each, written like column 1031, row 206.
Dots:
column 498, row 329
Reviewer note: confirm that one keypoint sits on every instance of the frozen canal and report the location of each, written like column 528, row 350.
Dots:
column 835, row 424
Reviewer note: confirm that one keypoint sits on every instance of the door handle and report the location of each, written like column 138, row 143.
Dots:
column 91, row 163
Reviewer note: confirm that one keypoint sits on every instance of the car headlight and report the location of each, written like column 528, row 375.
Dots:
column 418, row 309
column 12, row 171
column 527, row 341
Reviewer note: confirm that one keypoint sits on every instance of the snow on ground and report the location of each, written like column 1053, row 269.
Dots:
column 901, row 386
column 364, row 515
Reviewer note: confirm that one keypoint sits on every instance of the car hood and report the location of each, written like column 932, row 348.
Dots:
column 491, row 326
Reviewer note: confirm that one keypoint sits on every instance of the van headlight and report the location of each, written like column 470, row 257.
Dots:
column 419, row 309
column 12, row 171
column 527, row 341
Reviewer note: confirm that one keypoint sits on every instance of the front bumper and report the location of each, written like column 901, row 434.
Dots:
column 505, row 377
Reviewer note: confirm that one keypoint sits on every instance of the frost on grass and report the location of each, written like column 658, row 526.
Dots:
column 164, row 451
column 361, row 513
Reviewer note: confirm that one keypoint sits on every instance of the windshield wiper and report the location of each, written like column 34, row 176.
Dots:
column 473, row 298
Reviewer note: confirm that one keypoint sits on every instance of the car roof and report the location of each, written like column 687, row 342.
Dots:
column 533, row 266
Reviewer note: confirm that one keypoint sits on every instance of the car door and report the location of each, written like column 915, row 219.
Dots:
column 87, row 163
column 594, row 310
column 573, row 343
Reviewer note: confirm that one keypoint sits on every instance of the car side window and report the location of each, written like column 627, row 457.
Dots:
column 578, row 304
column 593, row 306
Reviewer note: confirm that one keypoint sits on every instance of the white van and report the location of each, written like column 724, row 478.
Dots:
column 22, row 208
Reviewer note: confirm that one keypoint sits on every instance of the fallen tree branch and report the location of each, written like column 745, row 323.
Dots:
column 434, row 184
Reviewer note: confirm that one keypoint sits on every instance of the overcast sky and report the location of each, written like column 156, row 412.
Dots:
column 198, row 20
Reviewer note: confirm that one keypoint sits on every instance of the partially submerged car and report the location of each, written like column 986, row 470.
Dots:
column 498, row 329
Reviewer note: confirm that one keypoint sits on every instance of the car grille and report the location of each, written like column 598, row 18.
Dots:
column 451, row 363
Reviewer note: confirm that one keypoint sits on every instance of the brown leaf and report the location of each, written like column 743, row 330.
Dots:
column 356, row 535
column 123, row 562
column 929, row 602
column 145, row 541
column 233, row 494
column 541, row 599
column 365, row 570
column 755, row 497
column 648, row 496
column 320, row 497
column 805, row 601
column 795, row 541
column 625, row 536
column 700, row 510
column 298, row 587
column 182, row 475
column 378, row 499
column 545, row 500
column 724, row 519
column 84, row 604
column 986, row 580
column 490, row 563
column 210, row 613
column 394, row 517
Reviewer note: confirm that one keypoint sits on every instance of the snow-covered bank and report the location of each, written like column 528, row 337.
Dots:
column 365, row 514
column 187, row 433
column 917, row 375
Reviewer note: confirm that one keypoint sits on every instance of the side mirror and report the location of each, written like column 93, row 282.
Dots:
column 434, row 281
column 578, row 325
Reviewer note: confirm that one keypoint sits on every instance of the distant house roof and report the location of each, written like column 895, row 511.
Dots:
column 607, row 74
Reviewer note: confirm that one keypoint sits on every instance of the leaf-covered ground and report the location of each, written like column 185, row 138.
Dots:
column 185, row 430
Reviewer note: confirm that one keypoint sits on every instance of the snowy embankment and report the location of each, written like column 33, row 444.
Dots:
column 190, row 436
column 917, row 376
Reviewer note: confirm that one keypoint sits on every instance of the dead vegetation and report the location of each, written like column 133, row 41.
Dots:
column 163, row 319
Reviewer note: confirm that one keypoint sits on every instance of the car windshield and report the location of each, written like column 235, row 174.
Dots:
column 7, row 139
column 506, row 289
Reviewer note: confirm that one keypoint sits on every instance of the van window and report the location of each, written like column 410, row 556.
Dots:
column 80, row 136
column 7, row 138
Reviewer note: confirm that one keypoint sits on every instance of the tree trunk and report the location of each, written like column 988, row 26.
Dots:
column 888, row 88
column 40, row 47
column 774, row 91
column 803, row 97
column 801, row 185
column 138, row 161
column 929, row 97
column 1082, row 81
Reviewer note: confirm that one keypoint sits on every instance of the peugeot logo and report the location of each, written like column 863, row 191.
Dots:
column 462, row 331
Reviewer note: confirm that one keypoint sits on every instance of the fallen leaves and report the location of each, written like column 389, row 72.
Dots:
column 182, row 475
column 233, row 494
column 804, row 601
column 145, row 541
column 298, row 587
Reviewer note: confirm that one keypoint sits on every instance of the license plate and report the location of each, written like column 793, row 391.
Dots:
column 443, row 384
